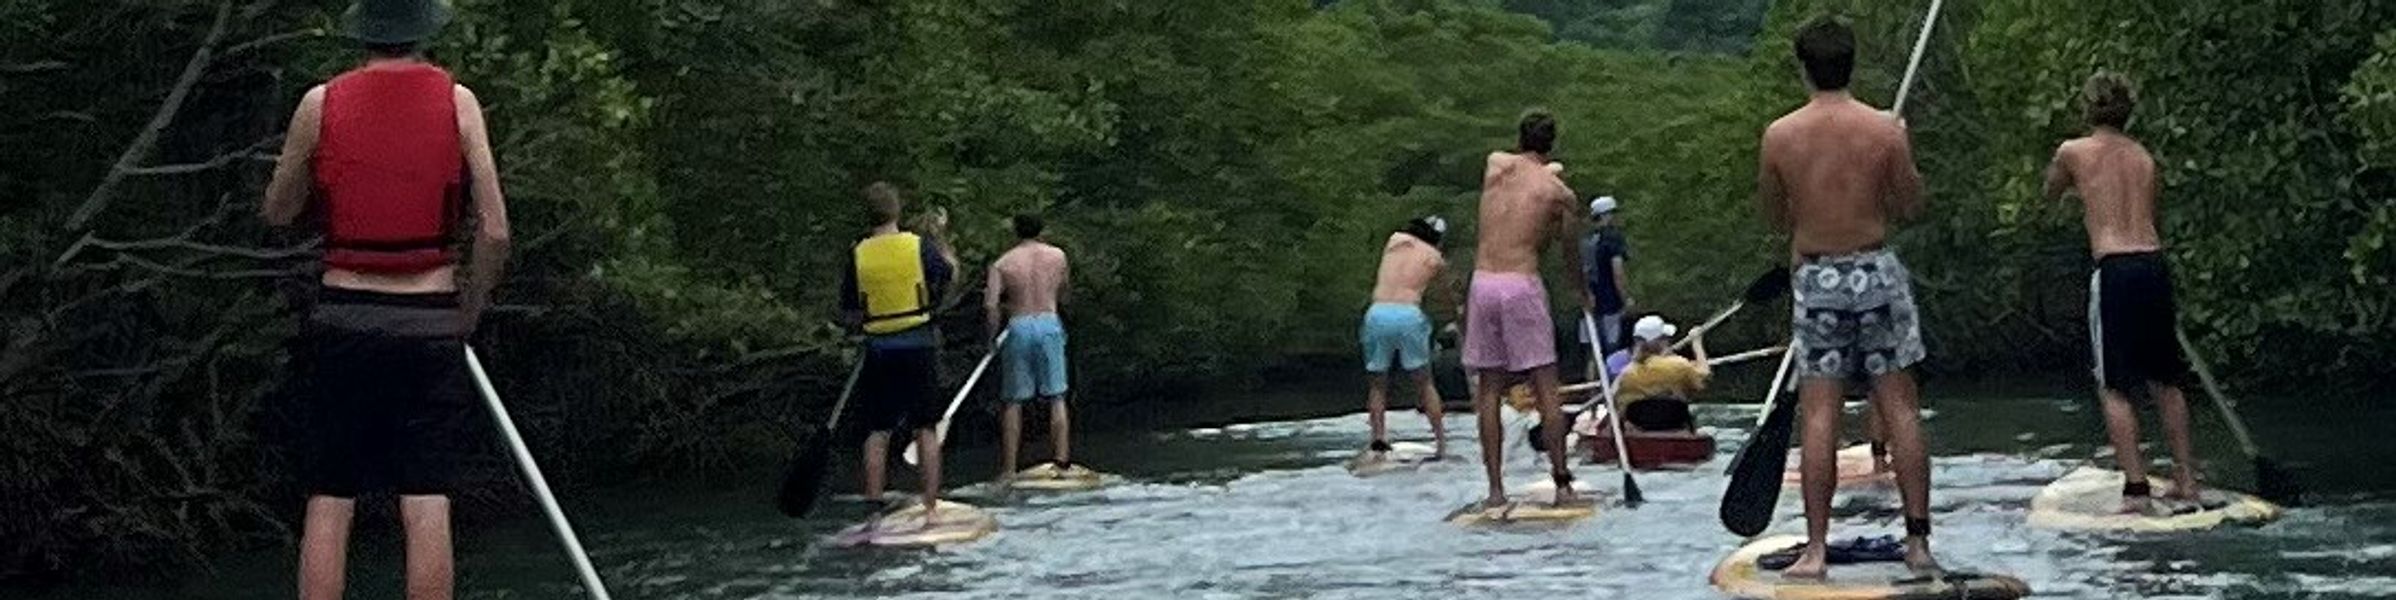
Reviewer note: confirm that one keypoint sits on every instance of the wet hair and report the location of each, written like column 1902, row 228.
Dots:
column 392, row 50
column 1028, row 226
column 883, row 202
column 1826, row 46
column 1421, row 229
column 2108, row 99
column 1536, row 132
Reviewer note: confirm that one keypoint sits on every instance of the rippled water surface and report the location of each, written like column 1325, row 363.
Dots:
column 1265, row 511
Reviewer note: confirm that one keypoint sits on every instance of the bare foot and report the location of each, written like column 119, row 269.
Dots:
column 2136, row 505
column 1496, row 499
column 1918, row 559
column 1812, row 565
column 2184, row 486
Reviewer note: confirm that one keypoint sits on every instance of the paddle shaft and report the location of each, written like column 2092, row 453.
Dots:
column 1622, row 450
column 1712, row 362
column 940, row 435
column 1780, row 377
column 540, row 485
column 1717, row 319
column 1921, row 42
column 2228, row 406
column 832, row 423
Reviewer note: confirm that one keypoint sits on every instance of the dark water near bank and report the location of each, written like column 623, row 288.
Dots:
column 1264, row 510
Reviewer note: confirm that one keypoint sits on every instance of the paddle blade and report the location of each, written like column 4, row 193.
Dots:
column 1630, row 492
column 1755, row 474
column 803, row 478
column 1768, row 287
column 2276, row 483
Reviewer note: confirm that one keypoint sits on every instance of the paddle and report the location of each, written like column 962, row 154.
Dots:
column 1622, row 452
column 2272, row 481
column 803, row 480
column 532, row 475
column 1767, row 287
column 1756, row 472
column 941, row 435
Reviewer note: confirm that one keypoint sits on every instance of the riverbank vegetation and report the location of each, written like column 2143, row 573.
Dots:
column 684, row 174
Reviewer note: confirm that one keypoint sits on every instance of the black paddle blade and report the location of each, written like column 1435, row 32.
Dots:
column 1630, row 492
column 1768, row 287
column 2276, row 483
column 803, row 479
column 1755, row 474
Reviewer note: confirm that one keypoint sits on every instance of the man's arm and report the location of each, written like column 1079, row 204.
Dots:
column 992, row 306
column 2059, row 176
column 1771, row 194
column 1064, row 279
column 1572, row 225
column 852, row 302
column 1622, row 282
column 490, row 207
column 1905, row 180
column 287, row 193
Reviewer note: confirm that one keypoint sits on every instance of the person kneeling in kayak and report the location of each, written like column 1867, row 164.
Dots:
column 1655, row 391
column 1396, row 330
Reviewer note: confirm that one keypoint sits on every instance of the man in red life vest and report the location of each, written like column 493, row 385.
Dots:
column 394, row 156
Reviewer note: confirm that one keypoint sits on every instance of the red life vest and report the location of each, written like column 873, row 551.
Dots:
column 389, row 169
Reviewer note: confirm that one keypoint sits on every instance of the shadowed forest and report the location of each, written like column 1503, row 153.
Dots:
column 684, row 179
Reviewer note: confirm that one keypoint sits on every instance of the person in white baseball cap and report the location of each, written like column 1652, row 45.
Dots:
column 1655, row 391
column 1603, row 253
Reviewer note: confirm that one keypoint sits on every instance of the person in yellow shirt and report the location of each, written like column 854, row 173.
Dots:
column 1654, row 391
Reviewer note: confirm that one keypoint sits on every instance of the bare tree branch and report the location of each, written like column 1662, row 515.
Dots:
column 258, row 150
column 32, row 67
column 147, row 142
column 245, row 47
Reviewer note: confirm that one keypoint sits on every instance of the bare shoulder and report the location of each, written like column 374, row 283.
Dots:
column 464, row 95
column 1052, row 251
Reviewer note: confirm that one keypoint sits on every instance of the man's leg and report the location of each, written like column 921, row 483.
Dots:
column 1552, row 424
column 2121, row 428
column 431, row 574
column 1899, row 406
column 1010, row 439
column 1376, row 406
column 877, row 460
column 1434, row 409
column 1486, row 405
column 1876, row 435
column 1817, row 461
column 927, row 448
column 1060, row 430
column 2173, row 408
column 324, row 548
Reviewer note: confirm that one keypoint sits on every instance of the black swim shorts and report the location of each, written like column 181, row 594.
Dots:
column 2131, row 316
column 386, row 387
column 899, row 389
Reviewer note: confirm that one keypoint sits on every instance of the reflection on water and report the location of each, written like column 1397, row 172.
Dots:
column 1265, row 510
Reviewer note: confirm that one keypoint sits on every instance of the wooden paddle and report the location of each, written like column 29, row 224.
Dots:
column 803, row 479
column 1756, row 472
column 941, row 435
column 2272, row 481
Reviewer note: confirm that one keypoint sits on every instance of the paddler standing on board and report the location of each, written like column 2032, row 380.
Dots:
column 1027, row 284
column 1604, row 252
column 1508, row 333
column 894, row 282
column 1833, row 174
column 2130, row 309
column 1396, row 331
column 396, row 155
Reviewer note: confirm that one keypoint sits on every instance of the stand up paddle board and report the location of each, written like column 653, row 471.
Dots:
column 1047, row 477
column 906, row 527
column 1739, row 576
column 1400, row 457
column 1535, row 505
column 2089, row 499
column 1855, row 469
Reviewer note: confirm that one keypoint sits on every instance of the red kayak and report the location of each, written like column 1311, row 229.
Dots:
column 1651, row 450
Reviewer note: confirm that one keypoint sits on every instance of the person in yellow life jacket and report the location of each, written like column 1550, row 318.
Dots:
column 1655, row 390
column 894, row 282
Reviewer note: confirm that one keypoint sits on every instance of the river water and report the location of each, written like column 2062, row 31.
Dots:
column 1264, row 510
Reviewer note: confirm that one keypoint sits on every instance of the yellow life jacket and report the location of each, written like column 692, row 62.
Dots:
column 890, row 275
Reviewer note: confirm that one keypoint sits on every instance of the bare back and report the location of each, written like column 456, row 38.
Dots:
column 1523, row 203
column 2115, row 179
column 1030, row 277
column 1834, row 174
column 1407, row 268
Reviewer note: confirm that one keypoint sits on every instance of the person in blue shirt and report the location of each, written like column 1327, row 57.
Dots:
column 1602, row 255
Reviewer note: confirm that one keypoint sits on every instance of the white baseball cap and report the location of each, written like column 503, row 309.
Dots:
column 1652, row 327
column 1602, row 205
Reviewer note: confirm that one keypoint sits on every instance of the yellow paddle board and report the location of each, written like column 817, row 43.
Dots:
column 1739, row 577
column 2089, row 499
column 1047, row 477
column 1855, row 468
column 1401, row 456
column 1536, row 505
column 907, row 527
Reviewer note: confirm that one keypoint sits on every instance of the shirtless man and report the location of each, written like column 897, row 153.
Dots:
column 394, row 154
column 1833, row 174
column 2130, row 309
column 1026, row 285
column 1508, row 332
column 1396, row 328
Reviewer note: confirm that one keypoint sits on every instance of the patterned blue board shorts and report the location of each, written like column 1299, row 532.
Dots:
column 1854, row 316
